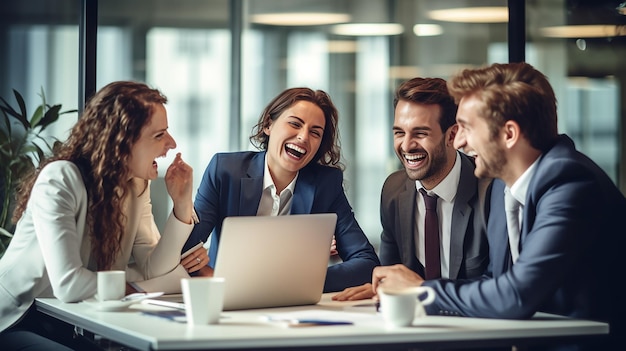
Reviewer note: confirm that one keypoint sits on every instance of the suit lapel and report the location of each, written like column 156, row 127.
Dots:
column 499, row 251
column 406, row 210
column 303, row 193
column 461, row 215
column 252, row 186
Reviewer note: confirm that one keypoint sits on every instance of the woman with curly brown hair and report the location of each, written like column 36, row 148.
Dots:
column 87, row 208
column 297, row 171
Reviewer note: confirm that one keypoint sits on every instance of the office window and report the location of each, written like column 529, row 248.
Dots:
column 185, row 49
column 39, row 51
column 581, row 46
column 359, row 51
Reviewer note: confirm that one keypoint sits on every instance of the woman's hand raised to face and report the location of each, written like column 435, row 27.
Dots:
column 179, row 183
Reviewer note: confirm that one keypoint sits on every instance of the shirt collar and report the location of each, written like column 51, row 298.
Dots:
column 268, row 182
column 446, row 189
column 520, row 187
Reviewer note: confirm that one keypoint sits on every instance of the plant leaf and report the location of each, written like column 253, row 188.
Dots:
column 34, row 120
column 7, row 123
column 9, row 111
column 22, row 116
column 40, row 152
column 5, row 233
column 50, row 117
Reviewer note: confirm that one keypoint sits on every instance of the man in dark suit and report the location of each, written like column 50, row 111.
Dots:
column 563, row 254
column 423, row 132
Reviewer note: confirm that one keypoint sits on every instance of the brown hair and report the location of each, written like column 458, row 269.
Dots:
column 514, row 91
column 100, row 143
column 429, row 91
column 329, row 153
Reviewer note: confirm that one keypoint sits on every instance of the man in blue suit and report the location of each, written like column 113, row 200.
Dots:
column 560, row 250
column 298, row 172
column 424, row 128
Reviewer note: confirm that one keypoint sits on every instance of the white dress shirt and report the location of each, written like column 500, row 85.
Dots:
column 446, row 191
column 272, row 204
column 518, row 190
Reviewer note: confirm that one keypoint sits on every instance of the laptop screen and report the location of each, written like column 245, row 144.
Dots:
column 272, row 261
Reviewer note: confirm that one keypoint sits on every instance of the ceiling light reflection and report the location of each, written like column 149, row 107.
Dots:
column 582, row 31
column 342, row 46
column 472, row 15
column 367, row 29
column 299, row 18
column 427, row 30
column 404, row 72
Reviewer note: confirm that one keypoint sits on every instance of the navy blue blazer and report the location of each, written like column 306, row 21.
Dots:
column 572, row 241
column 469, row 251
column 232, row 186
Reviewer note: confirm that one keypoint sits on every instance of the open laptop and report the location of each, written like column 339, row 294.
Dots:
column 273, row 261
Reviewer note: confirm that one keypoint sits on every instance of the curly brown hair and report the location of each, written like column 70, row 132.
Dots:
column 100, row 144
column 329, row 153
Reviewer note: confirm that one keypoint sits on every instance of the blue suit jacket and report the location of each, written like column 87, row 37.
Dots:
column 572, row 238
column 469, row 252
column 232, row 186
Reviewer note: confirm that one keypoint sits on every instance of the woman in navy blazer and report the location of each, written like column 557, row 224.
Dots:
column 298, row 171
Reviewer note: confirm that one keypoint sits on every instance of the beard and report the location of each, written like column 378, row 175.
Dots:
column 437, row 160
column 491, row 163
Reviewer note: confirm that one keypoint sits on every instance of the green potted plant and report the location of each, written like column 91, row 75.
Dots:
column 22, row 147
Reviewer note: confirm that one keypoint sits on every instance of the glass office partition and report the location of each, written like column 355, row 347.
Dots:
column 39, row 52
column 183, row 49
column 357, row 50
column 581, row 46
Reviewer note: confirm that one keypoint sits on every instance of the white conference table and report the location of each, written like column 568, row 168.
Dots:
column 246, row 329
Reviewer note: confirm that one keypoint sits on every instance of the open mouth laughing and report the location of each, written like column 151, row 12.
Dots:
column 294, row 150
column 414, row 159
column 154, row 162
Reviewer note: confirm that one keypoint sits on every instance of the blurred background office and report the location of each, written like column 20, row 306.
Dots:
column 219, row 62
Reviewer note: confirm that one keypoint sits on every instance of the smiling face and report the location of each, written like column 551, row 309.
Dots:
column 154, row 141
column 294, row 138
column 476, row 139
column 424, row 150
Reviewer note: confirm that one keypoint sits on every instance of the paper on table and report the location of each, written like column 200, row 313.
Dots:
column 168, row 283
column 188, row 252
column 322, row 317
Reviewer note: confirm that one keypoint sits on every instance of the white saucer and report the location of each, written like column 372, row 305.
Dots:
column 119, row 305
column 111, row 305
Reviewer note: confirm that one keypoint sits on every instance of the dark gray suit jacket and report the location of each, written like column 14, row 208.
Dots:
column 469, row 253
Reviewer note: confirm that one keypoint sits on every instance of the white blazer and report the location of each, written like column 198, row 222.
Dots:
column 49, row 255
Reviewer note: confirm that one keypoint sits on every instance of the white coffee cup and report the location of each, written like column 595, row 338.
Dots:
column 400, row 307
column 111, row 285
column 204, row 299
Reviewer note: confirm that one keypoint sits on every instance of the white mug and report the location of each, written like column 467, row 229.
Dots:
column 203, row 298
column 400, row 307
column 111, row 285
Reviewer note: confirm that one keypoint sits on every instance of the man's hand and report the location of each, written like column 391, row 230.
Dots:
column 360, row 292
column 395, row 277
